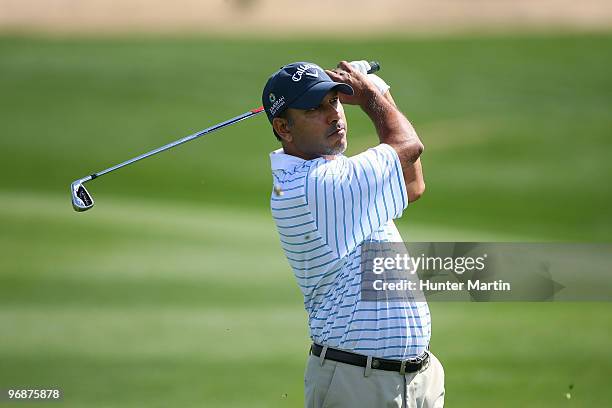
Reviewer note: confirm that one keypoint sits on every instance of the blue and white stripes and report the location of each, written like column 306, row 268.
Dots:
column 326, row 211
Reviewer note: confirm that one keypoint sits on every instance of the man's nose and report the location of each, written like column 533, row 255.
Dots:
column 333, row 113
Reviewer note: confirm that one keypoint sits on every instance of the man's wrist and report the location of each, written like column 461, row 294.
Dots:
column 375, row 104
column 380, row 83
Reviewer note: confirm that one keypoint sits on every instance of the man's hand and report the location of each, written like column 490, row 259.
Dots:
column 363, row 66
column 364, row 89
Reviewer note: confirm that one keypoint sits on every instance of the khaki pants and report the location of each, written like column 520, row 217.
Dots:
column 336, row 384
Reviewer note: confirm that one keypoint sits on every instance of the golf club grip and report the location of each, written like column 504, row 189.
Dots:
column 374, row 67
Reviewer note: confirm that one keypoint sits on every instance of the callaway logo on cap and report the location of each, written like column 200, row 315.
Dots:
column 300, row 85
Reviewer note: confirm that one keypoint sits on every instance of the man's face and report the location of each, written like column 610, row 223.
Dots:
column 320, row 131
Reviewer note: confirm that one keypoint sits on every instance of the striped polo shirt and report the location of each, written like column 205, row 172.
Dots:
column 325, row 210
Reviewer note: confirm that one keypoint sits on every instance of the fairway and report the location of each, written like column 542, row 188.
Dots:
column 173, row 290
column 159, row 310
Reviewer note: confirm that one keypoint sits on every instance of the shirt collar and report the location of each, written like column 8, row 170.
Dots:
column 282, row 161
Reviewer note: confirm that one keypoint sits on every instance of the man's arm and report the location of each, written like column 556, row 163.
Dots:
column 413, row 172
column 391, row 125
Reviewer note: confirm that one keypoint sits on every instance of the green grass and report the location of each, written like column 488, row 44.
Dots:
column 172, row 305
column 173, row 290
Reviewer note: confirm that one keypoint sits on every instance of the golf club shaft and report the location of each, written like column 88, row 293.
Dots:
column 246, row 115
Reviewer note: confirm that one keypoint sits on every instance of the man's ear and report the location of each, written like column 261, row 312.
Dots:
column 282, row 128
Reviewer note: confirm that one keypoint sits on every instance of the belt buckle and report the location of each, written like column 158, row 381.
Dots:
column 425, row 361
column 416, row 360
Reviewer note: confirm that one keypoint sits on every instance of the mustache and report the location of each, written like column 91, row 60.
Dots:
column 333, row 129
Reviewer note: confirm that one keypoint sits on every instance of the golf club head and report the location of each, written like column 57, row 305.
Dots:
column 81, row 199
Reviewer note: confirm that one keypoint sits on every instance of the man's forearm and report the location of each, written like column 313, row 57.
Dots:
column 413, row 172
column 392, row 127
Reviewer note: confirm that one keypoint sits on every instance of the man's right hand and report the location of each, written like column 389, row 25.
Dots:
column 364, row 89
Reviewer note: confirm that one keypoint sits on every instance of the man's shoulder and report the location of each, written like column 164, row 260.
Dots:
column 368, row 161
column 291, row 169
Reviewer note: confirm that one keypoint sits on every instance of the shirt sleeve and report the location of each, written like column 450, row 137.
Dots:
column 350, row 198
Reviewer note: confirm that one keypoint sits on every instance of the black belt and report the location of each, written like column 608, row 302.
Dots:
column 405, row 366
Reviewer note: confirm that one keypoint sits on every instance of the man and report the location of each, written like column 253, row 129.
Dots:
column 326, row 207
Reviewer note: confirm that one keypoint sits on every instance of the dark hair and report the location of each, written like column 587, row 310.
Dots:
column 283, row 115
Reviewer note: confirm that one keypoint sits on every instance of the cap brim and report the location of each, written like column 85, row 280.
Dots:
column 314, row 95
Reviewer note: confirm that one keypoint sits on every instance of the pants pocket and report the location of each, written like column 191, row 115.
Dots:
column 317, row 381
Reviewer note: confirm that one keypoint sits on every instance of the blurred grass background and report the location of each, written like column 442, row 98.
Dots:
column 173, row 290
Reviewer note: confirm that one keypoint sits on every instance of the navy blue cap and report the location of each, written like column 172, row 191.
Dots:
column 300, row 85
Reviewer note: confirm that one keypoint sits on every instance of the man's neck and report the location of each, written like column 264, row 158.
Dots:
column 291, row 150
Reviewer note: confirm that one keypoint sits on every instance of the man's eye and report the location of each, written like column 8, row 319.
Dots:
column 334, row 101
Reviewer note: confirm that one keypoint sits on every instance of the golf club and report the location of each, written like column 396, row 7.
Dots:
column 82, row 200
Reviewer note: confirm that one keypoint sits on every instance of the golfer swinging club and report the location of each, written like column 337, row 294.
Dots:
column 326, row 206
